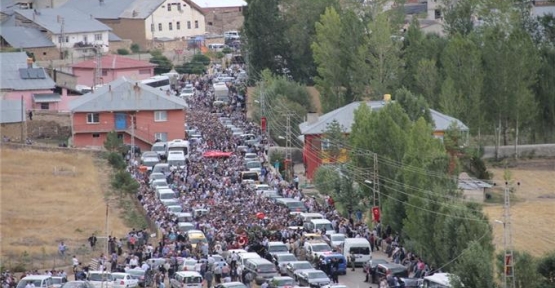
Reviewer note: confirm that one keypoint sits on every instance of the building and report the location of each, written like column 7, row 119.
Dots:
column 113, row 67
column 315, row 126
column 129, row 108
column 146, row 22
column 222, row 15
column 21, row 78
column 473, row 189
column 12, row 120
column 74, row 33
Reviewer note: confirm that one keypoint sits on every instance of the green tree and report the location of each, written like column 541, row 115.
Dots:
column 414, row 106
column 326, row 178
column 124, row 182
column 546, row 268
column 428, row 80
column 113, row 143
column 335, row 139
column 116, row 160
column 449, row 99
column 300, row 18
column 474, row 267
column 525, row 269
column 135, row 48
column 458, row 16
column 263, row 32
column 164, row 64
column 379, row 58
column 329, row 57
column 544, row 91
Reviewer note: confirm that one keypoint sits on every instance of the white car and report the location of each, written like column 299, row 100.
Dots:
column 101, row 279
column 124, row 280
column 250, row 157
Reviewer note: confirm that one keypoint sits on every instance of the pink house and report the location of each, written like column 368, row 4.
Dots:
column 21, row 79
column 113, row 67
column 132, row 110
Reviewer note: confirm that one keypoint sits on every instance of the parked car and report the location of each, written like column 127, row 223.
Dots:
column 77, row 284
column 313, row 278
column 281, row 261
column 396, row 270
column 293, row 267
column 101, row 279
column 145, row 277
column 372, row 264
column 124, row 280
column 58, row 281
column 281, row 282
column 231, row 285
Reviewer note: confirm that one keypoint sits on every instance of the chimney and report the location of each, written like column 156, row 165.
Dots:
column 29, row 62
column 311, row 117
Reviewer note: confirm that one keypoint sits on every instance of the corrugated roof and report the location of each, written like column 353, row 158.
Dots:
column 345, row 117
column 11, row 111
column 10, row 78
column 24, row 37
column 47, row 97
column 114, row 9
column 122, row 95
column 115, row 62
column 113, row 37
column 74, row 20
column 219, row 3
column 542, row 10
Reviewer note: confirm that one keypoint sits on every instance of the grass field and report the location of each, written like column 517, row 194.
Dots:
column 533, row 215
column 41, row 208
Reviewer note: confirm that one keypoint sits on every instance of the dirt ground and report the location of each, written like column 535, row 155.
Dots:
column 40, row 208
column 533, row 214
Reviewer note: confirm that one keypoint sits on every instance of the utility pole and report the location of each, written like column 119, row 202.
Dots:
column 132, row 136
column 63, row 35
column 288, row 146
column 508, row 266
column 107, row 245
column 98, row 66
column 375, row 182
column 23, row 121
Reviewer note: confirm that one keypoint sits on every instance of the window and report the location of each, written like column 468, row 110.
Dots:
column 162, row 136
column 104, row 72
column 152, row 27
column 210, row 23
column 196, row 23
column 170, row 26
column 45, row 106
column 144, row 71
column 160, row 116
column 120, row 136
column 93, row 118
column 159, row 26
column 169, row 7
column 85, row 39
column 98, row 37
column 188, row 24
column 178, row 25
column 325, row 144
column 96, row 135
column 179, row 6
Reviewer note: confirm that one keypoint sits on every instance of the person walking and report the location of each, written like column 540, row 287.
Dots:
column 62, row 249
column 209, row 277
column 352, row 259
column 92, row 241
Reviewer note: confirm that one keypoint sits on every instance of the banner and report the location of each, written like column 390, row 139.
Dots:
column 263, row 124
column 376, row 213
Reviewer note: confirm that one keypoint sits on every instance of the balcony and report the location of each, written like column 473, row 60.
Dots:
column 142, row 132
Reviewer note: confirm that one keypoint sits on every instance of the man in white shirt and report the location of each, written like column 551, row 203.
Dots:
column 145, row 266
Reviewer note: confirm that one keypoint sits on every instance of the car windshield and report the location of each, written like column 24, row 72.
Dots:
column 277, row 248
column 187, row 90
column 167, row 196
column 197, row 240
column 56, row 280
column 100, row 277
column 323, row 226
column 321, row 248
column 192, row 280
column 74, row 285
column 303, row 265
column 317, row 275
column 285, row 282
column 360, row 250
column 23, row 283
column 159, row 148
column 338, row 238
column 118, row 276
column 254, row 165
column 263, row 187
column 287, row 258
column 135, row 272
column 150, row 162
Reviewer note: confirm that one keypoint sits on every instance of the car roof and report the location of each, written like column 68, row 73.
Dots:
column 41, row 277
column 391, row 265
column 188, row 273
column 282, row 278
column 319, row 221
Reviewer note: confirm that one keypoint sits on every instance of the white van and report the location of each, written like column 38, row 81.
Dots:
column 39, row 281
column 177, row 160
column 310, row 216
column 319, row 224
column 186, row 279
column 216, row 46
column 166, row 194
column 185, row 226
column 360, row 247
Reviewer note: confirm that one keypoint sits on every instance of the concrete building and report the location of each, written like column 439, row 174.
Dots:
column 113, row 67
column 12, row 120
column 222, row 15
column 146, row 22
column 121, row 106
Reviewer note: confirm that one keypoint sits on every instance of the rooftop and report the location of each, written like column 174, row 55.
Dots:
column 219, row 3
column 24, row 37
column 115, row 9
column 115, row 62
column 345, row 116
column 73, row 20
column 126, row 95
column 15, row 74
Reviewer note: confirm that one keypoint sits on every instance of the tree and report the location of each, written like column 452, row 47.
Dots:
column 450, row 99
column 380, row 60
column 164, row 64
column 263, row 32
column 544, row 91
column 546, row 268
column 135, row 48
column 525, row 269
column 124, row 182
column 113, row 143
column 474, row 268
column 329, row 57
column 299, row 18
column 415, row 106
column 335, row 139
column 326, row 178
column 428, row 79
column 458, row 16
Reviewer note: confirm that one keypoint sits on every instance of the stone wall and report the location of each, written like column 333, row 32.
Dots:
column 49, row 125
column 12, row 131
column 123, row 44
column 538, row 150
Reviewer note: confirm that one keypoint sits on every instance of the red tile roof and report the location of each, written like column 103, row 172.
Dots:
column 115, row 62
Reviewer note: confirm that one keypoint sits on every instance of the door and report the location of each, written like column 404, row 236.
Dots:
column 121, row 121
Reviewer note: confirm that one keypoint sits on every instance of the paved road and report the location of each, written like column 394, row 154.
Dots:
column 356, row 279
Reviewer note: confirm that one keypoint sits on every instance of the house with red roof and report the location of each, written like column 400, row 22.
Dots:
column 113, row 67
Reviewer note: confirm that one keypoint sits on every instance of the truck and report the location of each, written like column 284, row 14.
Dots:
column 221, row 92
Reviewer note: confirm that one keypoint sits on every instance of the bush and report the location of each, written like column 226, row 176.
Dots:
column 116, row 160
column 205, row 60
column 135, row 48
column 227, row 50
column 124, row 182
column 123, row 51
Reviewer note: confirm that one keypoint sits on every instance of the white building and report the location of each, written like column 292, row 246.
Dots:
column 175, row 19
column 74, row 33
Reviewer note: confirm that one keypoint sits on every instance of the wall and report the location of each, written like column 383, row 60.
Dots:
column 163, row 17
column 49, row 125
column 88, row 38
column 12, row 131
column 219, row 20
column 45, row 53
column 128, row 29
column 62, row 79
column 311, row 154
column 27, row 97
column 85, row 76
column 123, row 44
column 539, row 150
